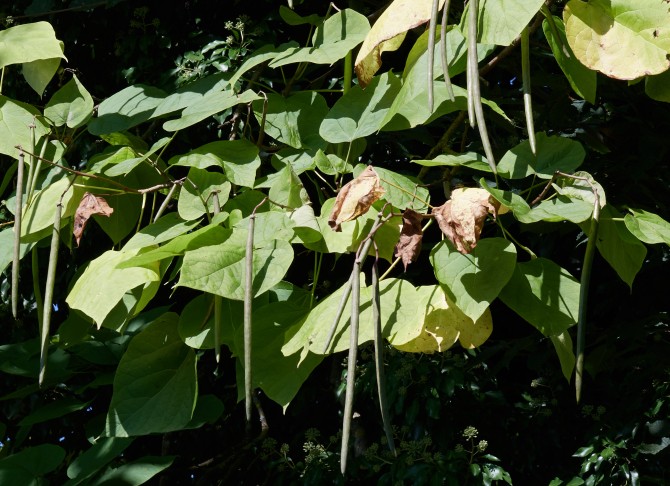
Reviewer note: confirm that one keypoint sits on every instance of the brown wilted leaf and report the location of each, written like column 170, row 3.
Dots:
column 89, row 205
column 409, row 245
column 355, row 198
column 462, row 217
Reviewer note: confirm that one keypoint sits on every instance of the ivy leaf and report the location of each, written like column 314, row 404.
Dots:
column 155, row 385
column 623, row 39
column 355, row 198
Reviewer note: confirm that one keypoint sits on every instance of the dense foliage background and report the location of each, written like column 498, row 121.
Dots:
column 501, row 411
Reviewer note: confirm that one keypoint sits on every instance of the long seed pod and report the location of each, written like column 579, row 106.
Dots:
column 218, row 300
column 166, row 201
column 379, row 359
column 474, row 92
column 432, row 27
column 248, row 298
column 471, row 60
column 347, row 287
column 17, row 236
column 443, row 50
column 49, row 294
column 583, row 295
column 527, row 100
column 351, row 360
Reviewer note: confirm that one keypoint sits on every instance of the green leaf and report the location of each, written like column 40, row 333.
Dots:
column 29, row 42
column 471, row 160
column 126, row 166
column 622, row 250
column 39, row 73
column 137, row 472
column 560, row 208
column 648, row 227
column 155, row 386
column 122, row 221
column 195, row 197
column 89, row 462
column 331, row 41
column 7, row 248
column 360, row 112
column 474, row 280
column 209, row 235
column 331, row 164
column 209, row 104
column 410, row 107
column 126, row 109
column 401, row 191
column 292, row 18
column 15, row 118
column 28, row 465
column 39, row 216
column 191, row 94
column 220, row 269
column 582, row 79
column 270, row 225
column 553, row 153
column 166, row 228
column 501, row 21
column 399, row 316
column 658, row 87
column 544, row 294
column 509, row 199
column 238, row 158
column 208, row 410
column 280, row 377
column 53, row 410
column 623, row 39
column 563, row 345
column 102, row 286
column 294, row 120
column 71, row 105
column 287, row 189
column 264, row 54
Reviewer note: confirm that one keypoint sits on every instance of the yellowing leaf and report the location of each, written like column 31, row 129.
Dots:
column 388, row 33
column 355, row 198
column 623, row 39
column 462, row 217
column 445, row 324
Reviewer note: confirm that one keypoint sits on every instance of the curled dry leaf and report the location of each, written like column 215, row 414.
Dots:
column 89, row 205
column 355, row 198
column 411, row 235
column 462, row 217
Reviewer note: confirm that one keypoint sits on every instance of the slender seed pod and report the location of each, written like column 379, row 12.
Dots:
column 527, row 101
column 432, row 27
column 49, row 294
column 17, row 236
column 443, row 50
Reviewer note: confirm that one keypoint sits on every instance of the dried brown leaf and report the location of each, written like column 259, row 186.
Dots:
column 462, row 217
column 355, row 198
column 411, row 235
column 89, row 205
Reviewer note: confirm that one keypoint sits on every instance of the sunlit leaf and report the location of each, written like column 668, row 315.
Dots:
column 552, row 153
column 71, row 105
column 623, row 39
column 648, row 227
